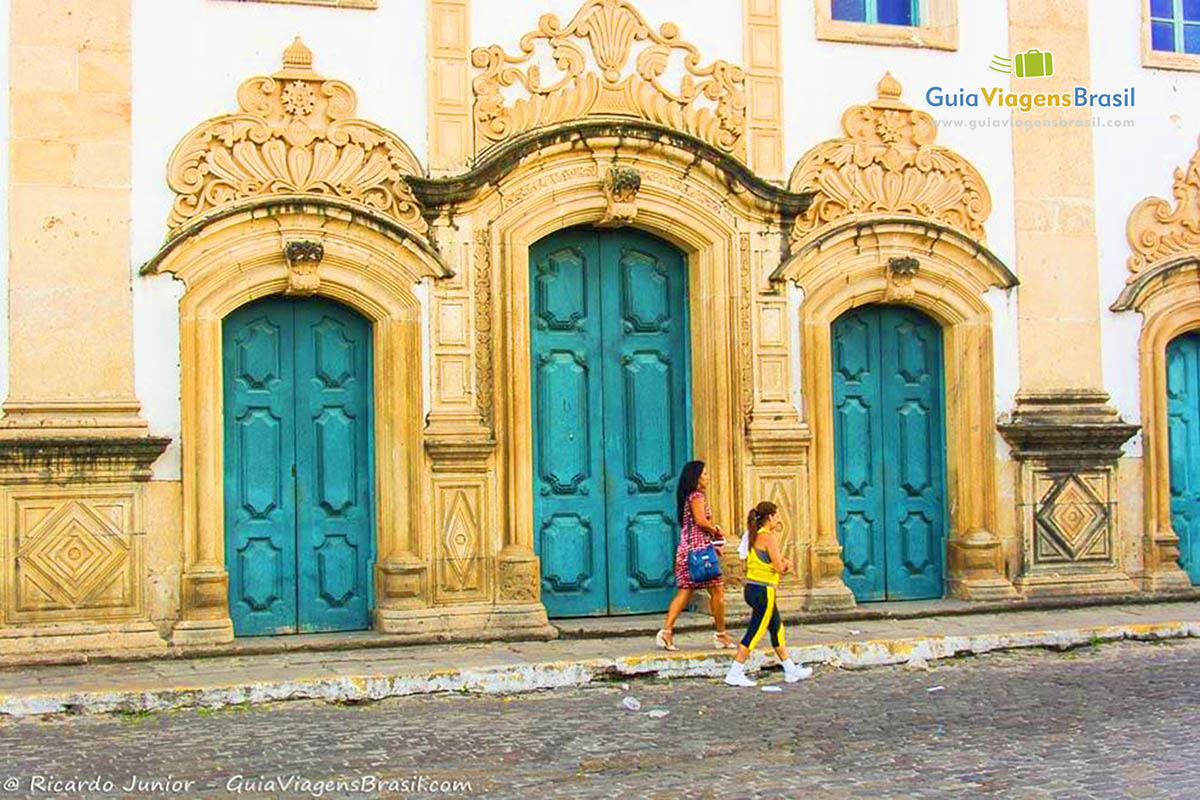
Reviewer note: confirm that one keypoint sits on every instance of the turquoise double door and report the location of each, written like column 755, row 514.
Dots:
column 611, row 418
column 298, row 478
column 1183, row 432
column 890, row 452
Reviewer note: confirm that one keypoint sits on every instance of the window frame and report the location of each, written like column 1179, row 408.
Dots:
column 1166, row 59
column 363, row 4
column 937, row 28
column 871, row 13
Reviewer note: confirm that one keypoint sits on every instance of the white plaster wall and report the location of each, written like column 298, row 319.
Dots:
column 1133, row 163
column 189, row 56
column 821, row 79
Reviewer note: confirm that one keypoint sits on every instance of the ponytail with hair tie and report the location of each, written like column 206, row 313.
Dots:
column 754, row 522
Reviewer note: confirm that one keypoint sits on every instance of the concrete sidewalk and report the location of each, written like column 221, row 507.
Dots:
column 363, row 675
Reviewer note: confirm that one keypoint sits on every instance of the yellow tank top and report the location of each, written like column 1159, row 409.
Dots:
column 760, row 569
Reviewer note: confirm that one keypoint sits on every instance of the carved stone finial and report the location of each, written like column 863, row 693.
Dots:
column 887, row 163
column 297, row 56
column 621, row 186
column 303, row 259
column 900, row 271
column 888, row 87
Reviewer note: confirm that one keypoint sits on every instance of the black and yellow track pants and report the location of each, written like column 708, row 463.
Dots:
column 764, row 616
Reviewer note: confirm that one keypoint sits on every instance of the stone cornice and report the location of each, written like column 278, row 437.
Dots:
column 27, row 456
column 438, row 194
column 1066, row 426
column 297, row 204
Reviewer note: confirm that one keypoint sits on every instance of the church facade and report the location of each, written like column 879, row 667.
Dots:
column 405, row 315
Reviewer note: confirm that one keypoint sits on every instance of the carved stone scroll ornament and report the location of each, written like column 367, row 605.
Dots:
column 303, row 259
column 709, row 102
column 887, row 162
column 621, row 187
column 1157, row 231
column 295, row 134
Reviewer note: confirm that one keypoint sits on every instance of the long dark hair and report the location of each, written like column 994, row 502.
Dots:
column 689, row 479
column 758, row 516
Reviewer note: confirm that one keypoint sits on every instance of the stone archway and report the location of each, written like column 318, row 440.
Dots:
column 338, row 221
column 944, row 274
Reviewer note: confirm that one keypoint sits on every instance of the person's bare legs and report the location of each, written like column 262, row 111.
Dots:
column 678, row 604
column 716, row 598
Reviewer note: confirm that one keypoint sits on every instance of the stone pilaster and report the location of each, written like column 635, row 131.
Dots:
column 75, row 453
column 1065, row 435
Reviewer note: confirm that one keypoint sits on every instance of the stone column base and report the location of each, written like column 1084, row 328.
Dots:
column 1082, row 585
column 77, row 637
column 981, row 589
column 1166, row 580
column 467, row 622
column 829, row 598
column 202, row 631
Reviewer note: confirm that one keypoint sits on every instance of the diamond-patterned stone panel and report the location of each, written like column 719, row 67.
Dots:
column 72, row 555
column 1072, row 521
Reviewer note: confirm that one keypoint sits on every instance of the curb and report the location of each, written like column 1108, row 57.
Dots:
column 553, row 675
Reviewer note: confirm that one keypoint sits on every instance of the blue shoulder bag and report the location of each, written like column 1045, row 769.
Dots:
column 703, row 565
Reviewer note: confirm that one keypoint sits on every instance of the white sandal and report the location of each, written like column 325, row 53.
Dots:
column 717, row 643
column 661, row 639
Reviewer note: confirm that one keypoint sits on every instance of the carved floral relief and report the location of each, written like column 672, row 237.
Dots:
column 888, row 162
column 1158, row 231
column 294, row 134
column 592, row 54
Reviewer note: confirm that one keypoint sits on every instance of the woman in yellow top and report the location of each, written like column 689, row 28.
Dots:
column 764, row 565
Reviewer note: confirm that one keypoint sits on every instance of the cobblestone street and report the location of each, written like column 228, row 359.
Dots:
column 1114, row 721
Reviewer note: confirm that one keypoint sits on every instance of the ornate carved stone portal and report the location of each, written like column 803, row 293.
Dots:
column 1164, row 267
column 294, row 134
column 709, row 102
column 888, row 163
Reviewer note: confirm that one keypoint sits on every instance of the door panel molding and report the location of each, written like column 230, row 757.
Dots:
column 300, row 551
column 621, row 320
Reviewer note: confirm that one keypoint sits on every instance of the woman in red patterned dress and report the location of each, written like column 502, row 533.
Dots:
column 696, row 530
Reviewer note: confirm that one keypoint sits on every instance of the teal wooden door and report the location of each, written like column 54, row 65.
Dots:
column 890, row 452
column 611, row 418
column 1183, row 426
column 298, row 511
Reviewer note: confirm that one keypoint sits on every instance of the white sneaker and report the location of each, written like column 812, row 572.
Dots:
column 798, row 674
column 737, row 676
column 739, row 680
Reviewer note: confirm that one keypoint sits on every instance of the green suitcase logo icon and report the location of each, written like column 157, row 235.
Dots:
column 1035, row 64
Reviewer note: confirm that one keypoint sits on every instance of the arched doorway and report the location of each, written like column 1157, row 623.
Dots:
column 298, row 466
column 889, row 433
column 1183, row 434
column 611, row 417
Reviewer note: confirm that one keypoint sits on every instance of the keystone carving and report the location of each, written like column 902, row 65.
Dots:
column 900, row 271
column 621, row 186
column 303, row 259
